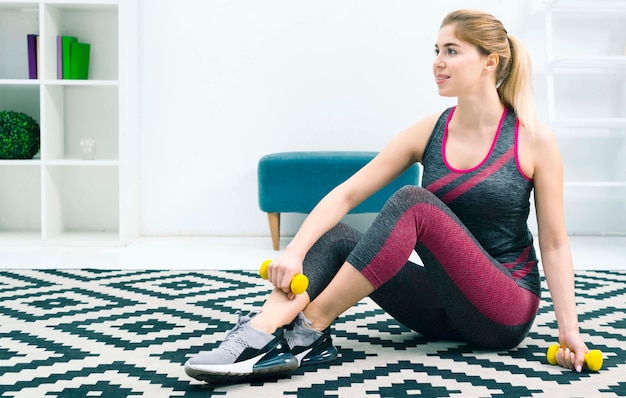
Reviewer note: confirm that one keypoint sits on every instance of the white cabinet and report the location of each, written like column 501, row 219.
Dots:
column 61, row 198
column 586, row 82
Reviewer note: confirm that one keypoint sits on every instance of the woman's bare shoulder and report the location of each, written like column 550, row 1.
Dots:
column 421, row 132
column 536, row 147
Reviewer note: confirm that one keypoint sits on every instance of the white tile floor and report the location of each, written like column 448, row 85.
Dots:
column 236, row 253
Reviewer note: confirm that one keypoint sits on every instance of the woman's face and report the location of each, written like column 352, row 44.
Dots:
column 458, row 66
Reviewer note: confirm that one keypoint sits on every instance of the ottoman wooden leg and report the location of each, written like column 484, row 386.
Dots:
column 274, row 219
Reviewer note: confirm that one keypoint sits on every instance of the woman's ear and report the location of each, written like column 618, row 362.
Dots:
column 492, row 62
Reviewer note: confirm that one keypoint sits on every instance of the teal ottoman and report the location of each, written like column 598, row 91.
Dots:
column 294, row 182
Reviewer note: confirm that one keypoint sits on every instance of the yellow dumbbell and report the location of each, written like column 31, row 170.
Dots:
column 593, row 359
column 298, row 284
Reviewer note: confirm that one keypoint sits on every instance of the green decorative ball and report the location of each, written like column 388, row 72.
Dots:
column 19, row 136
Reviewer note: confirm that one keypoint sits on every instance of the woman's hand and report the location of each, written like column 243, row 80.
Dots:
column 281, row 271
column 572, row 352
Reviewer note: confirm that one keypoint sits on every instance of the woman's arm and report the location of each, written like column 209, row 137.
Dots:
column 554, row 246
column 402, row 151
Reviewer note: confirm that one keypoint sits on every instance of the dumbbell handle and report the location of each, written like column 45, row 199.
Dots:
column 593, row 358
column 298, row 284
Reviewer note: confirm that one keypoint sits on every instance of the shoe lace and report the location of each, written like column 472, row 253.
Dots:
column 241, row 320
column 232, row 343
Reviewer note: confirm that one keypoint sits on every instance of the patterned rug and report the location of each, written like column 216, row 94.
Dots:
column 93, row 333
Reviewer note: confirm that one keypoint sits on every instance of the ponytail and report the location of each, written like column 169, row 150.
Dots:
column 515, row 88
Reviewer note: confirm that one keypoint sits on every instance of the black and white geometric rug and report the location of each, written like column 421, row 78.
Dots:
column 95, row 333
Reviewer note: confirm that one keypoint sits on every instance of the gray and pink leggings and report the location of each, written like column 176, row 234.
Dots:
column 460, row 292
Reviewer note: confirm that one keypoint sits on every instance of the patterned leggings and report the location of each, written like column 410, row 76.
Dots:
column 460, row 292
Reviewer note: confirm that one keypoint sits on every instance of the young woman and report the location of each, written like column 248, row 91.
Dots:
column 480, row 280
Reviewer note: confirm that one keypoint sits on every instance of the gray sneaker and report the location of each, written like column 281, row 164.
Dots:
column 309, row 346
column 246, row 353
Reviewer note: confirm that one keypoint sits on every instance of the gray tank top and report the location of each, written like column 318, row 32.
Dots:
column 492, row 199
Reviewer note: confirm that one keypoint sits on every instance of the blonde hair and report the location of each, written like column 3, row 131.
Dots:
column 513, row 75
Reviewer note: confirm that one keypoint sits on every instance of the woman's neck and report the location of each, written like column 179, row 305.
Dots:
column 476, row 114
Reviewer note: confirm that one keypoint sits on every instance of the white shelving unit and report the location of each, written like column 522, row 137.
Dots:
column 586, row 85
column 59, row 198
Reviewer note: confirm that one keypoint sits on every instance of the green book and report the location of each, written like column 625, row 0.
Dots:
column 79, row 60
column 65, row 54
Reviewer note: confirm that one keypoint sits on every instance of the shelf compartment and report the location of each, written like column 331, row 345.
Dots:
column 20, row 203
column 96, row 24
column 78, row 112
column 81, row 201
column 16, row 21
column 18, row 98
column 15, row 239
column 595, row 210
column 606, row 86
column 604, row 34
column 584, row 152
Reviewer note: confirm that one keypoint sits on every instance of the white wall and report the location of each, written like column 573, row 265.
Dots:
column 226, row 82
